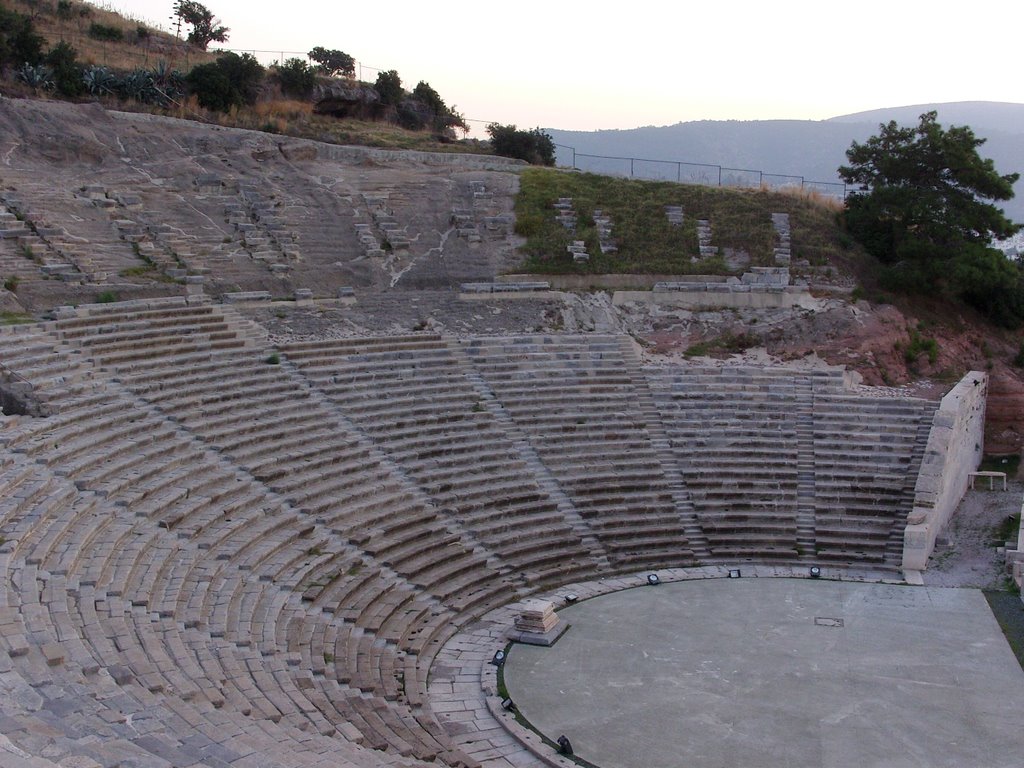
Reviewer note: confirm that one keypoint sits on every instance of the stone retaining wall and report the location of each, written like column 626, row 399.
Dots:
column 954, row 450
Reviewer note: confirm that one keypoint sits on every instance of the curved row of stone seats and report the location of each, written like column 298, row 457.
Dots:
column 124, row 616
column 412, row 398
column 402, row 535
column 867, row 455
column 734, row 437
column 116, row 628
column 183, row 537
column 574, row 402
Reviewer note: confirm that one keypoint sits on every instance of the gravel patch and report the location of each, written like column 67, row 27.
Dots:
column 967, row 554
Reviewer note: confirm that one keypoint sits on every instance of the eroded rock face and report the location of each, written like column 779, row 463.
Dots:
column 1004, row 431
column 347, row 100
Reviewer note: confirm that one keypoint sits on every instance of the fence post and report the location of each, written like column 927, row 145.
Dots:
column 631, row 167
column 719, row 175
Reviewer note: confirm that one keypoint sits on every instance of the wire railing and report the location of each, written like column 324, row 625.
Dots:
column 684, row 172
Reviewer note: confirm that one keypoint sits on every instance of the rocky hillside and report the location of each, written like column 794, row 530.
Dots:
column 102, row 206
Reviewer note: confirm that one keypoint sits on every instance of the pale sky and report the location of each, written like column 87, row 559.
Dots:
column 592, row 65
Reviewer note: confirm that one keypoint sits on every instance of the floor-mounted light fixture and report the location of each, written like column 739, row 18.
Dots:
column 564, row 745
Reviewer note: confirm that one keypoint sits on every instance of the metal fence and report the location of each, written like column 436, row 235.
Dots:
column 684, row 172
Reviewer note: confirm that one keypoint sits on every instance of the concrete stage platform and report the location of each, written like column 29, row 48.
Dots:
column 778, row 673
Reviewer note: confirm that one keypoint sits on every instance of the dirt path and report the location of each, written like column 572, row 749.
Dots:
column 967, row 555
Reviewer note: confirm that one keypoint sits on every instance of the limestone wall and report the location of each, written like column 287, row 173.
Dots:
column 453, row 160
column 954, row 451
column 1015, row 557
column 716, row 295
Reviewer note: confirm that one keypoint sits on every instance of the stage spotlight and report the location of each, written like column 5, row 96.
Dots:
column 572, row 597
column 508, row 705
column 815, row 572
column 734, row 573
column 653, row 580
column 499, row 658
column 564, row 745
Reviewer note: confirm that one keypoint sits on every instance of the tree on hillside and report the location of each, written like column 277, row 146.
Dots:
column 297, row 78
column 445, row 118
column 536, row 146
column 19, row 43
column 925, row 207
column 230, row 81
column 205, row 28
column 333, row 62
column 62, row 60
column 389, row 88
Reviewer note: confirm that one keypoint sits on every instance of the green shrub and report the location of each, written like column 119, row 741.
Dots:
column 230, row 81
column 19, row 43
column 105, row 32
column 297, row 78
column 389, row 88
column 535, row 147
column 273, row 359
column 106, row 297
column 921, row 345
column 733, row 343
column 11, row 283
column 67, row 73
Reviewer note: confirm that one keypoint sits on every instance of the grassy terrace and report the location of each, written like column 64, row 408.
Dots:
column 647, row 243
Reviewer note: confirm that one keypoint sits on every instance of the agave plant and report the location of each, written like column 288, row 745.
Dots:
column 168, row 83
column 137, row 85
column 38, row 76
column 100, row 81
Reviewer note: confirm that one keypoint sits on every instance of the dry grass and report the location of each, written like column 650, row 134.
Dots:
column 813, row 196
column 286, row 109
column 143, row 46
column 133, row 51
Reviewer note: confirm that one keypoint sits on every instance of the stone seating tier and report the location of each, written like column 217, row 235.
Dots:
column 273, row 554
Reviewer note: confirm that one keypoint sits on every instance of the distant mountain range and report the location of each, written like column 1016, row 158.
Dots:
column 813, row 149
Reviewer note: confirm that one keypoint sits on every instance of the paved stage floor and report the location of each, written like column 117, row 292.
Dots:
column 786, row 673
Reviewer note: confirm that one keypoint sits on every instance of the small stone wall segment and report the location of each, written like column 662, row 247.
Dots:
column 1015, row 557
column 954, row 450
column 780, row 222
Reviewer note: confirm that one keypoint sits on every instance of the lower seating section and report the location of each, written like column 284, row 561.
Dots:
column 785, row 464
column 867, row 456
column 734, row 436
column 411, row 397
column 573, row 399
column 218, row 552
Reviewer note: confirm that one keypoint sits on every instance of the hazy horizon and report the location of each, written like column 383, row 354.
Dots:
column 575, row 67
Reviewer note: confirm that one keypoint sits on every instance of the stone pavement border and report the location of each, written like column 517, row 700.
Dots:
column 463, row 684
